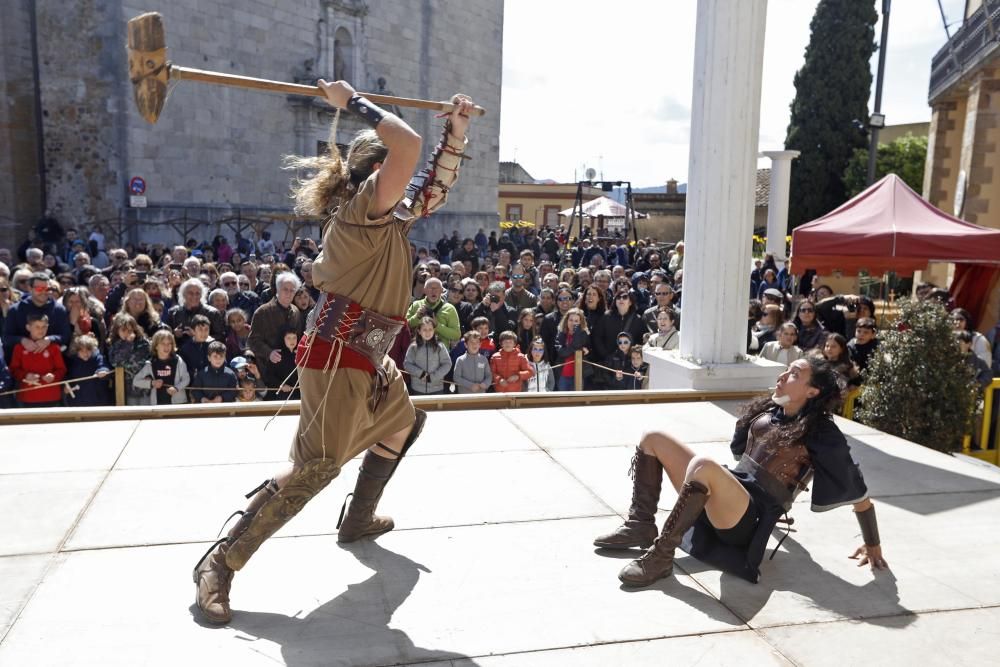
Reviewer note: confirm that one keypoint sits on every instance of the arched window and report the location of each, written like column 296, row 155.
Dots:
column 343, row 56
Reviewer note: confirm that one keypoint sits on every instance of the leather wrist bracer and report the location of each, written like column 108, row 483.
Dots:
column 428, row 191
column 364, row 108
column 869, row 526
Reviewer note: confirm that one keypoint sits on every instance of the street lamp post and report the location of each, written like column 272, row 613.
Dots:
column 877, row 120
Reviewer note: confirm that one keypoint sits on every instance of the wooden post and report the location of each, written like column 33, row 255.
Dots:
column 578, row 371
column 119, row 386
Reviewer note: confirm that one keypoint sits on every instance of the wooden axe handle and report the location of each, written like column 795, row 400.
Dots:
column 204, row 76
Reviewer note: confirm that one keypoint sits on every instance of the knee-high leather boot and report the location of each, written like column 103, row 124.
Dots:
column 639, row 530
column 658, row 561
column 270, row 508
column 359, row 519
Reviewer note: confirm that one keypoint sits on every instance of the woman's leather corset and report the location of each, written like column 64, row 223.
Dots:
column 782, row 470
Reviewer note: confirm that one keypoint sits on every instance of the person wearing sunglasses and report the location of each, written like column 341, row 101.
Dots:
column 549, row 329
column 518, row 297
column 812, row 335
column 245, row 300
column 663, row 297
column 39, row 302
column 621, row 317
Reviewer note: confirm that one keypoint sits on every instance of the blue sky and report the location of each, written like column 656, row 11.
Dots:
column 608, row 85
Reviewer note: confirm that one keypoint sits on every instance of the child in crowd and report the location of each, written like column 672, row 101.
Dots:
column 237, row 332
column 783, row 350
column 510, row 367
column 544, row 378
column 283, row 374
column 619, row 359
column 249, row 385
column 573, row 335
column 128, row 348
column 636, row 372
column 835, row 351
column 194, row 351
column 248, row 390
column 480, row 325
column 666, row 337
column 84, row 361
column 165, row 375
column 472, row 369
column 37, row 371
column 427, row 360
column 216, row 382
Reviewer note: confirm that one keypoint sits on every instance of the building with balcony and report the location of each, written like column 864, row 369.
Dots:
column 962, row 158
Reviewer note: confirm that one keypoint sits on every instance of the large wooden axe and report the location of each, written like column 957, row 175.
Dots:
column 150, row 71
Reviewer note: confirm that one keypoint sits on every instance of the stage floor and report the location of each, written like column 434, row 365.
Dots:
column 491, row 563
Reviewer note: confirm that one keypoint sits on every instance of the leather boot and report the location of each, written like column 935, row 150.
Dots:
column 639, row 530
column 212, row 577
column 658, row 561
column 359, row 520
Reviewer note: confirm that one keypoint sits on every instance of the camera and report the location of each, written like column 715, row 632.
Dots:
column 176, row 266
column 141, row 277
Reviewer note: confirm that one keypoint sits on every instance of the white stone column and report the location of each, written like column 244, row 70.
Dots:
column 777, row 201
column 718, row 229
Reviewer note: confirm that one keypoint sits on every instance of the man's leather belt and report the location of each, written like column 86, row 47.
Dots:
column 365, row 337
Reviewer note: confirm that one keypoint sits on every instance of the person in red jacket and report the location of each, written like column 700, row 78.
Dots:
column 37, row 371
column 510, row 367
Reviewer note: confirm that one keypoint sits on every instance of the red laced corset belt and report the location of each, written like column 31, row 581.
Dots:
column 343, row 334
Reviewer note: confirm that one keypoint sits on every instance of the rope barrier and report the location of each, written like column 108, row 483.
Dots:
column 102, row 376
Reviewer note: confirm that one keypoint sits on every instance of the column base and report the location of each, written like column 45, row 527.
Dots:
column 667, row 370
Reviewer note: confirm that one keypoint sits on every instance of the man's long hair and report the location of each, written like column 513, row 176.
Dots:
column 334, row 180
column 816, row 410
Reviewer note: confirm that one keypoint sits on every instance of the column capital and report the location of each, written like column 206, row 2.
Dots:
column 780, row 155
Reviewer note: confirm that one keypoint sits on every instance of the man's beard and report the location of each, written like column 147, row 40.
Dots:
column 781, row 400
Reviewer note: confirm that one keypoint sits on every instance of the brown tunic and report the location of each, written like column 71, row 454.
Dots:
column 366, row 259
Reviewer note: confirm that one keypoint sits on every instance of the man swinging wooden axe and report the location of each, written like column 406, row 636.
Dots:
column 354, row 399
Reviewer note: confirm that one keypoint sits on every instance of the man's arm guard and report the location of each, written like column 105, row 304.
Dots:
column 428, row 191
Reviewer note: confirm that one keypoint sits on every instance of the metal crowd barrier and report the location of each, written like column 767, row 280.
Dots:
column 989, row 450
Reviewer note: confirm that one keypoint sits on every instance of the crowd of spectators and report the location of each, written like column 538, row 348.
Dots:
column 504, row 312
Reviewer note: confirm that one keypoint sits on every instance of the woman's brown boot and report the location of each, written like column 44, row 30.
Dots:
column 658, row 561
column 639, row 530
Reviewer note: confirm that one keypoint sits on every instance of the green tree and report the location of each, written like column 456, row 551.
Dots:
column 918, row 384
column 904, row 157
column 830, row 110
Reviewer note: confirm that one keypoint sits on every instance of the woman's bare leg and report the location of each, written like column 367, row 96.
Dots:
column 673, row 455
column 727, row 499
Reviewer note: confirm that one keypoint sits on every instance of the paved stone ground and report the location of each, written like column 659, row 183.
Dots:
column 492, row 562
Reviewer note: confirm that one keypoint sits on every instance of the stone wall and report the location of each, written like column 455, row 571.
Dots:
column 221, row 147
column 20, row 184
column 215, row 150
column 82, row 62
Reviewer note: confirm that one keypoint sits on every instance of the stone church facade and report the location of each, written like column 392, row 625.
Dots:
column 211, row 164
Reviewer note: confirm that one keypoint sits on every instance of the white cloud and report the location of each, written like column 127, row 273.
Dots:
column 609, row 86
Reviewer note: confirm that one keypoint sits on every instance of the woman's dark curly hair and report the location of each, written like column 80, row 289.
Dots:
column 816, row 410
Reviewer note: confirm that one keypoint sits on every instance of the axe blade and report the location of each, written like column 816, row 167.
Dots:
column 147, row 64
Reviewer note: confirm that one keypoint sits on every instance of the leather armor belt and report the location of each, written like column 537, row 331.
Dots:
column 771, row 484
column 364, row 336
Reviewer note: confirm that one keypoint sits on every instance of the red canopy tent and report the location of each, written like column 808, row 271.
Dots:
column 889, row 227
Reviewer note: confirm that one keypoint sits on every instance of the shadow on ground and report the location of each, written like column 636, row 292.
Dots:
column 876, row 602
column 353, row 628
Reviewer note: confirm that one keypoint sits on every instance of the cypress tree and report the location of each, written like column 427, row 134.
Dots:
column 830, row 110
